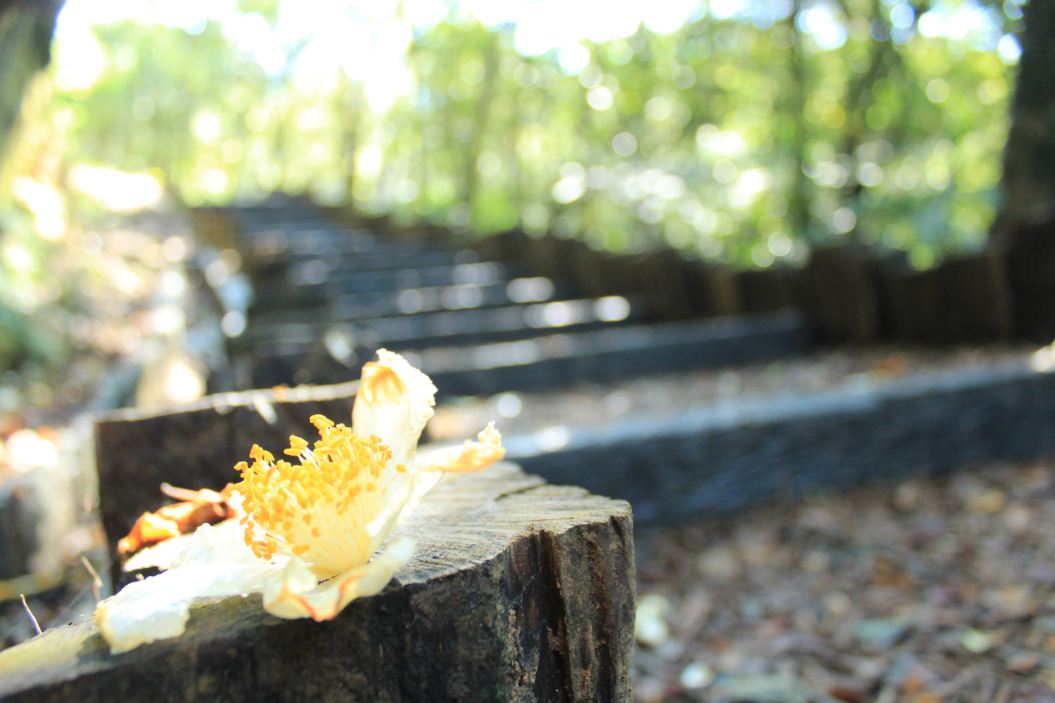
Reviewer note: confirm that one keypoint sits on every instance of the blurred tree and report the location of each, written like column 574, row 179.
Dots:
column 26, row 27
column 1029, row 178
column 748, row 134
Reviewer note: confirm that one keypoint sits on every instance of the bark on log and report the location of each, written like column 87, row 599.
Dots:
column 519, row 591
column 667, row 288
column 765, row 290
column 840, row 296
column 909, row 303
column 590, row 273
column 714, row 290
column 975, row 298
column 1031, row 274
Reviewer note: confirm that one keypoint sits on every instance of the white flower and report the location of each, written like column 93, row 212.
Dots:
column 305, row 534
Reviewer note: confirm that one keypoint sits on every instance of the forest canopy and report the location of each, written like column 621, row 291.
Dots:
column 742, row 131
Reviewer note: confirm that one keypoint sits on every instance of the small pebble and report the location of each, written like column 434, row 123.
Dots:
column 696, row 675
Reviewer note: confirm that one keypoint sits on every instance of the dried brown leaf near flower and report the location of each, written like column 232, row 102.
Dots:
column 193, row 509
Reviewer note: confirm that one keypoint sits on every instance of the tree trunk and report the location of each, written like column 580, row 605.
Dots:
column 26, row 27
column 1025, row 227
column 799, row 200
column 1029, row 179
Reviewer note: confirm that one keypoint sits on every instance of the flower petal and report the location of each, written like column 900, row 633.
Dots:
column 158, row 607
column 294, row 593
column 470, row 456
column 223, row 542
column 394, row 403
column 212, row 561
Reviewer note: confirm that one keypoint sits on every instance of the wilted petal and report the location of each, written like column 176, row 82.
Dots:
column 162, row 555
column 222, row 543
column 295, row 593
column 407, row 490
column 158, row 607
column 212, row 561
column 470, row 456
column 394, row 403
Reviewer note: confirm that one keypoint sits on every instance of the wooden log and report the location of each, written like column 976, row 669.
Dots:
column 975, row 299
column 579, row 267
column 519, row 591
column 965, row 299
column 713, row 289
column 1031, row 274
column 719, row 459
column 197, row 445
column 559, row 253
column 566, row 357
column 621, row 273
column 510, row 245
column 543, row 256
column 909, row 302
column 590, row 272
column 765, row 290
column 214, row 227
column 840, row 295
column 416, row 330
column 617, row 354
column 269, row 365
column 663, row 281
column 675, row 284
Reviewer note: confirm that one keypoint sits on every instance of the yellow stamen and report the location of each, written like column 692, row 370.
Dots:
column 321, row 422
column 282, row 500
column 296, row 445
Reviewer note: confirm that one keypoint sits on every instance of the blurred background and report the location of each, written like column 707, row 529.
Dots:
column 734, row 130
column 878, row 171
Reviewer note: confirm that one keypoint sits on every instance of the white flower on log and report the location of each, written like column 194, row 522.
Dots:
column 305, row 535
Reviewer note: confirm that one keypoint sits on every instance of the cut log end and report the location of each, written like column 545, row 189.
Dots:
column 518, row 591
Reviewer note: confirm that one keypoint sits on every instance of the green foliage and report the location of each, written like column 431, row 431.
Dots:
column 744, row 138
column 25, row 287
column 738, row 141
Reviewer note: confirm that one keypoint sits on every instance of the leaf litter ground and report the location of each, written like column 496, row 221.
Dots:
column 935, row 589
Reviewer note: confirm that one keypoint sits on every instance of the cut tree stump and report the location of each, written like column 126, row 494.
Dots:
column 518, row 591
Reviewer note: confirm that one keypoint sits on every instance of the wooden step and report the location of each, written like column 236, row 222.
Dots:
column 606, row 356
column 721, row 458
column 450, row 326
